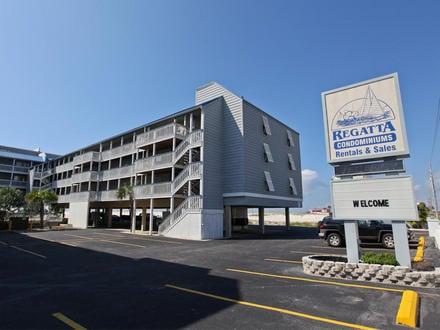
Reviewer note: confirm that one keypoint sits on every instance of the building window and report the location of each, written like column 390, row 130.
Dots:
column 267, row 154
column 293, row 190
column 266, row 126
column 290, row 139
column 291, row 162
column 269, row 182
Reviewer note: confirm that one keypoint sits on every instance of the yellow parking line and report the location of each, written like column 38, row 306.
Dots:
column 312, row 252
column 305, row 279
column 129, row 244
column 84, row 237
column 119, row 236
column 272, row 309
column 157, row 239
column 27, row 251
column 63, row 318
column 285, row 261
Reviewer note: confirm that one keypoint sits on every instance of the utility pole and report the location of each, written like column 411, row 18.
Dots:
column 434, row 193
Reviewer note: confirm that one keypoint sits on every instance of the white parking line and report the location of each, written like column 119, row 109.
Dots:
column 27, row 251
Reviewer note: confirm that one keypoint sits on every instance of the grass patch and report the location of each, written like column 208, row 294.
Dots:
column 380, row 258
column 304, row 224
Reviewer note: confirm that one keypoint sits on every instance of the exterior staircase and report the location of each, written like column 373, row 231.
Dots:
column 191, row 203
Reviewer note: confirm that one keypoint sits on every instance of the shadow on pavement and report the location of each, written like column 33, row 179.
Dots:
column 99, row 290
column 277, row 232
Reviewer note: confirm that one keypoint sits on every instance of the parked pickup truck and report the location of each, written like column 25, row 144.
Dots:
column 369, row 231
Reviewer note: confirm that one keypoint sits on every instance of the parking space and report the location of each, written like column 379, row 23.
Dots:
column 111, row 279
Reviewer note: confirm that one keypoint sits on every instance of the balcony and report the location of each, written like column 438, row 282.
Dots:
column 84, row 177
column 87, row 157
column 21, row 169
column 154, row 162
column 62, row 183
column 116, row 173
column 6, row 168
column 84, row 196
column 156, row 190
column 123, row 150
column 108, row 195
column 160, row 134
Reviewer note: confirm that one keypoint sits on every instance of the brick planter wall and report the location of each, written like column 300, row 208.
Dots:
column 398, row 275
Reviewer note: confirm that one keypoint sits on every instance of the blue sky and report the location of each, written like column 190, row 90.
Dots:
column 69, row 69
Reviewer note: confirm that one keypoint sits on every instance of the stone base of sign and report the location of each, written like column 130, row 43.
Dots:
column 385, row 274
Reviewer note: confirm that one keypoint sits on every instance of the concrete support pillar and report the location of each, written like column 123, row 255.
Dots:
column 191, row 122
column 133, row 217
column 151, row 217
column 287, row 212
column 109, row 217
column 144, row 219
column 171, row 204
column 401, row 245
column 261, row 219
column 227, row 222
column 352, row 241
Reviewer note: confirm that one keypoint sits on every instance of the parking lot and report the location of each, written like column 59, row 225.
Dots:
column 108, row 279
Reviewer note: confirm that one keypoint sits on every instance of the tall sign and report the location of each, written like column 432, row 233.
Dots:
column 365, row 136
column 365, row 121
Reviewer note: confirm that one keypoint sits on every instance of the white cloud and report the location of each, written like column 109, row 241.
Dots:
column 309, row 179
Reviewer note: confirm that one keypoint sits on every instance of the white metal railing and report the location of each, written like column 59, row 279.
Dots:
column 161, row 133
column 116, row 173
column 192, row 140
column 154, row 162
column 108, row 195
column 62, row 183
column 84, row 176
column 190, row 172
column 150, row 190
column 128, row 148
column 192, row 203
column 82, row 196
column 87, row 157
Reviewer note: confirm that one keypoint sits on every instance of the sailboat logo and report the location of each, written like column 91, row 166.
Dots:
column 366, row 110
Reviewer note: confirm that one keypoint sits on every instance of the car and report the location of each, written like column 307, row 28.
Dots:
column 376, row 231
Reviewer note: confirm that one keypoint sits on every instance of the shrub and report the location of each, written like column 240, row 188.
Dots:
column 380, row 258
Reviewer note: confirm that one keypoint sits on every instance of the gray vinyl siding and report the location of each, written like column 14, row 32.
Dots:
column 232, row 134
column 213, row 154
column 255, row 164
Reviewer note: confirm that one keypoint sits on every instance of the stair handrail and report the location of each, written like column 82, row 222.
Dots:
column 191, row 203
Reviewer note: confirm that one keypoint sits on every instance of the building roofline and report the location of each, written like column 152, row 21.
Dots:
column 178, row 113
column 272, row 117
column 25, row 151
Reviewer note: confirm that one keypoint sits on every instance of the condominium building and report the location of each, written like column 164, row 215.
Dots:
column 15, row 164
column 201, row 168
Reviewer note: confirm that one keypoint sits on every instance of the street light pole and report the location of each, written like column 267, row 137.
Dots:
column 434, row 193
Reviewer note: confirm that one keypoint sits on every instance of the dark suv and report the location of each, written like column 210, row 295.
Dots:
column 369, row 231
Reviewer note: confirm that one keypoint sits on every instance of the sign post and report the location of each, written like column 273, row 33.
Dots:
column 366, row 137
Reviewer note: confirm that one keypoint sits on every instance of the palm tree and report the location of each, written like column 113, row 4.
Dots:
column 41, row 200
column 124, row 192
column 11, row 200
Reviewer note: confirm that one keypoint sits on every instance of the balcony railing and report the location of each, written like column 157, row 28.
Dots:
column 83, row 196
column 116, row 173
column 118, row 151
column 153, row 190
column 161, row 133
column 192, row 203
column 87, row 157
column 84, row 177
column 108, row 195
column 62, row 183
column 154, row 162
